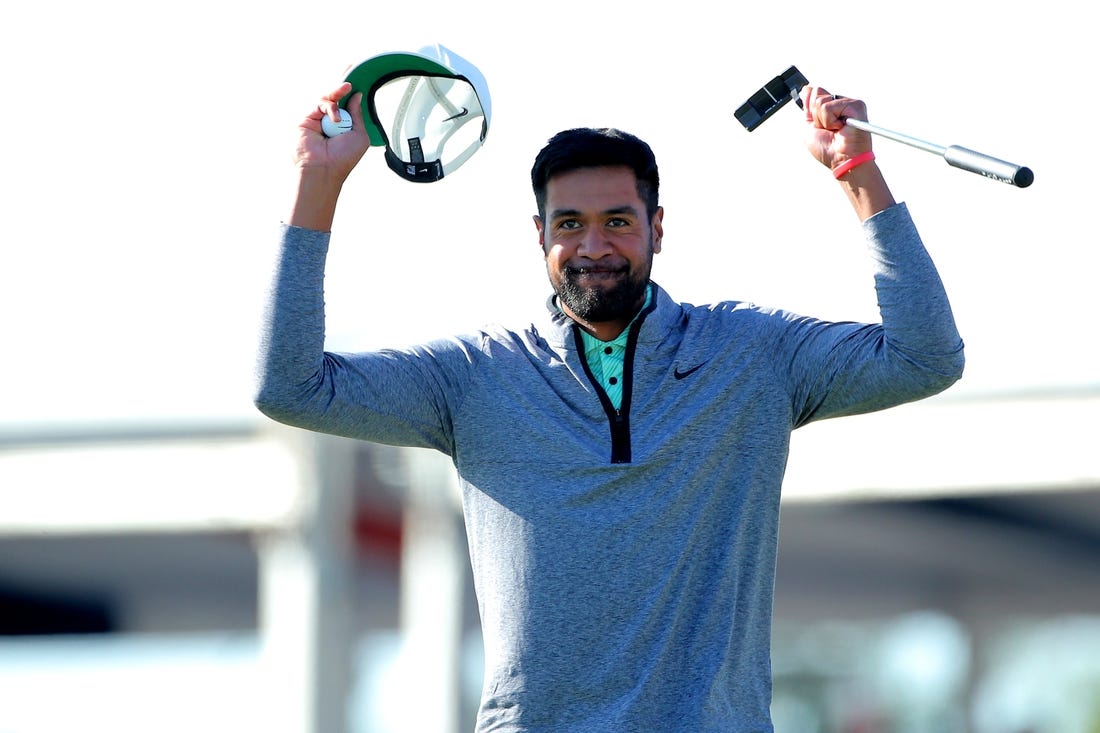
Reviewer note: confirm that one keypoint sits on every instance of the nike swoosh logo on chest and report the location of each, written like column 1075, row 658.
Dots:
column 687, row 372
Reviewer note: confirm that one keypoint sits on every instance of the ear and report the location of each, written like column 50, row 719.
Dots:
column 658, row 228
column 541, row 230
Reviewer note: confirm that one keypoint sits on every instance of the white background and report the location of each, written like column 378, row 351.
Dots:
column 146, row 153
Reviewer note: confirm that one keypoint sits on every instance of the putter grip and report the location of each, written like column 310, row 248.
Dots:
column 988, row 166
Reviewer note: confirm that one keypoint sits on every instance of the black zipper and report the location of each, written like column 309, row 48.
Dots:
column 620, row 437
column 619, row 420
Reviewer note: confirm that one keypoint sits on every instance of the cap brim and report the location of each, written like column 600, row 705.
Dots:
column 376, row 71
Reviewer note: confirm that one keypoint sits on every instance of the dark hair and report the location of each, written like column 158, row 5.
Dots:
column 587, row 147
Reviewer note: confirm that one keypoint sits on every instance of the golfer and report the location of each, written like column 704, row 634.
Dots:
column 620, row 456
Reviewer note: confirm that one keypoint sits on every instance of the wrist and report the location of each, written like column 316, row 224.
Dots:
column 852, row 163
column 866, row 190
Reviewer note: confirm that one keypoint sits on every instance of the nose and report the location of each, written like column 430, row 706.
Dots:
column 593, row 244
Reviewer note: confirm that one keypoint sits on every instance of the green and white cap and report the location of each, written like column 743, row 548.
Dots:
column 420, row 106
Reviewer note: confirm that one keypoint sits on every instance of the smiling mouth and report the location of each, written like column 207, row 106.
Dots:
column 600, row 272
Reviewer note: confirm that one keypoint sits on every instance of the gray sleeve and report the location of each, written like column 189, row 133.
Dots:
column 916, row 314
column 915, row 352
column 399, row 397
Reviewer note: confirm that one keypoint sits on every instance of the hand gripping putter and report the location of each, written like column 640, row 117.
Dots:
column 785, row 87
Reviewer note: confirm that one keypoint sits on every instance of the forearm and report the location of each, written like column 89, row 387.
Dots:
column 867, row 191
column 322, row 164
column 314, row 203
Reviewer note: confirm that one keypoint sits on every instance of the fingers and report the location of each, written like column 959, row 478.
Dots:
column 829, row 139
column 330, row 103
column 338, row 154
column 355, row 109
column 828, row 111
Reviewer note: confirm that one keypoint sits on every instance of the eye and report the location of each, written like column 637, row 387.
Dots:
column 618, row 221
column 569, row 224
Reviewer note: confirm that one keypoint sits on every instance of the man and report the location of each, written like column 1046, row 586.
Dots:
column 620, row 459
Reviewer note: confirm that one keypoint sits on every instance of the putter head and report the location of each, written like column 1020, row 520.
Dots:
column 773, row 95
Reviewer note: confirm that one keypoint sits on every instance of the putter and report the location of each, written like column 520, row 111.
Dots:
column 786, row 87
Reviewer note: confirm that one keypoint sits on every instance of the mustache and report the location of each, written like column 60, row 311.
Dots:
column 586, row 269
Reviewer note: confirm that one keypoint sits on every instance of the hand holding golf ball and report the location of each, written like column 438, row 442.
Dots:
column 332, row 129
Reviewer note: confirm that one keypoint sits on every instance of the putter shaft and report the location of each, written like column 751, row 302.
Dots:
column 895, row 136
column 957, row 156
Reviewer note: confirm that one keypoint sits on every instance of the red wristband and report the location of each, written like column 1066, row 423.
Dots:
column 844, row 168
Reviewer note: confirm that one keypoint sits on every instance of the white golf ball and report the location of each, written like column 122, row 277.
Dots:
column 332, row 129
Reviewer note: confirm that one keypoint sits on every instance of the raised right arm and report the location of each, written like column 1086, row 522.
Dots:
column 402, row 397
column 293, row 370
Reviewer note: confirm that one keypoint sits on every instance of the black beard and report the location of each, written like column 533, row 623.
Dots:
column 599, row 305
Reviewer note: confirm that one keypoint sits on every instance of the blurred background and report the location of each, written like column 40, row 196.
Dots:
column 171, row 560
